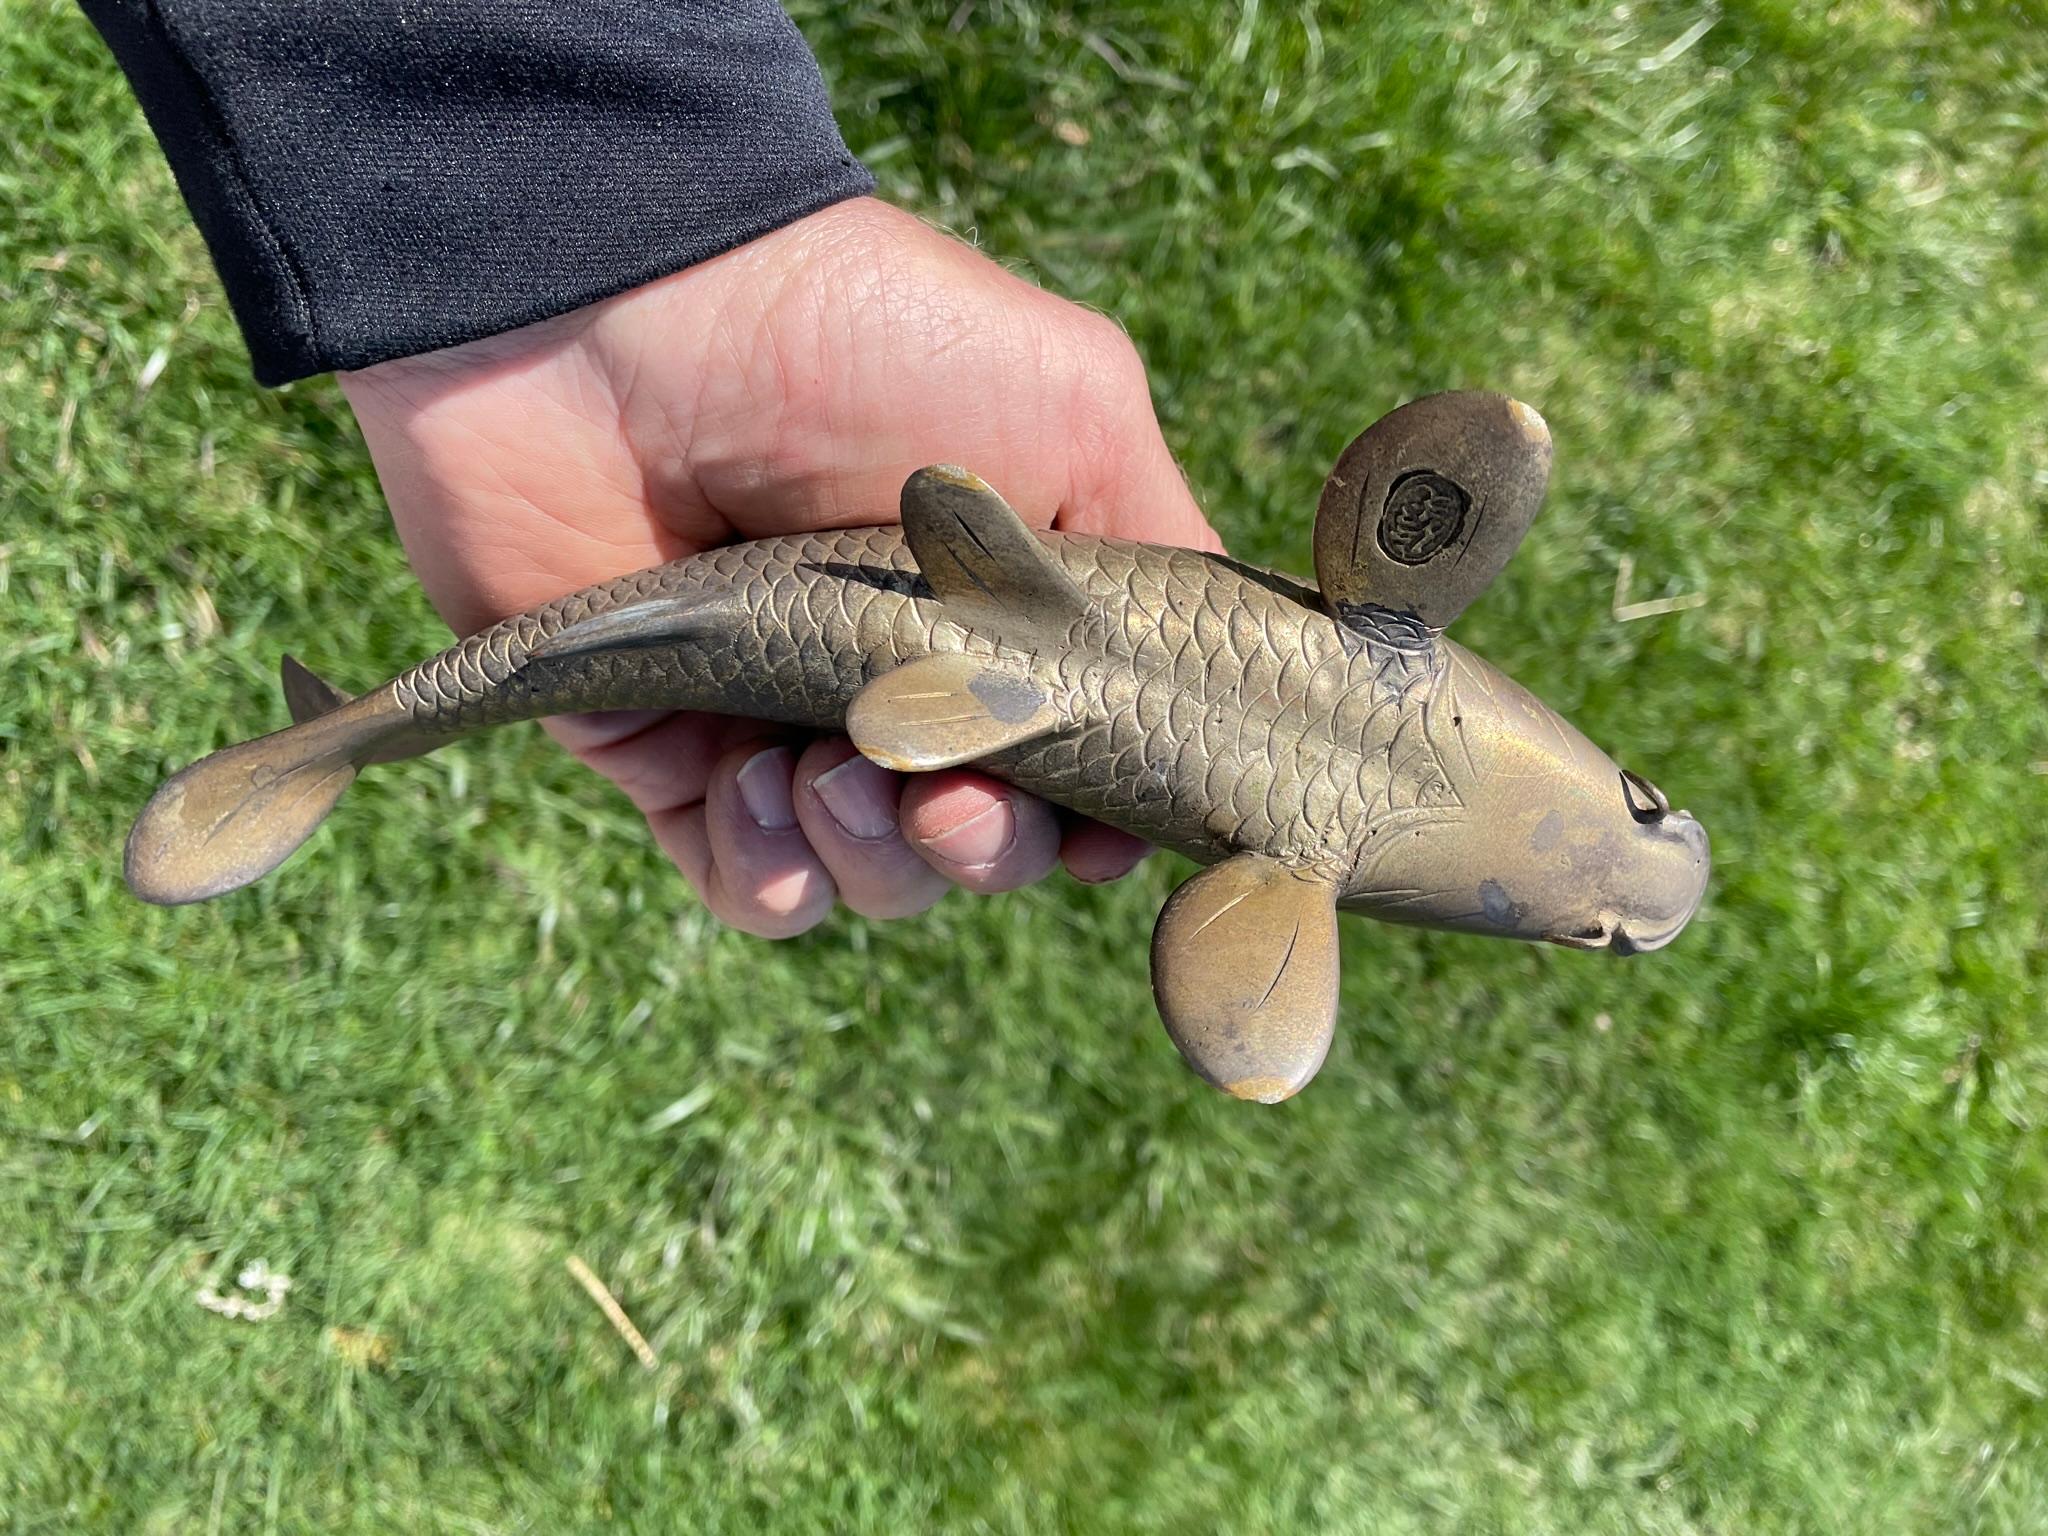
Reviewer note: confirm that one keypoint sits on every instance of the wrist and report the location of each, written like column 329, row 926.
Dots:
column 856, row 231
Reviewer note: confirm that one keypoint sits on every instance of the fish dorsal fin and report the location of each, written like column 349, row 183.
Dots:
column 941, row 711
column 1427, row 504
column 307, row 694
column 981, row 561
column 1244, row 965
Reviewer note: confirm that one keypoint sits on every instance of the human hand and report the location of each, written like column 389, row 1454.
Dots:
column 790, row 385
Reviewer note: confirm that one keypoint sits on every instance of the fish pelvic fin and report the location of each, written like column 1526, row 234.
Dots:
column 940, row 711
column 231, row 818
column 981, row 561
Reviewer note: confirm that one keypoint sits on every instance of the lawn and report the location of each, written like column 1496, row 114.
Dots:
column 925, row 1222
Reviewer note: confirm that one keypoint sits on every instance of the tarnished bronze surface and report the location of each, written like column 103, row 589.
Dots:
column 1321, row 750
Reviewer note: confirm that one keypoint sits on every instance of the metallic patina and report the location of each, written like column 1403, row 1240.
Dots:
column 1318, row 749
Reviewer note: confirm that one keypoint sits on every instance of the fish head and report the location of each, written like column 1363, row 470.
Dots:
column 1531, row 831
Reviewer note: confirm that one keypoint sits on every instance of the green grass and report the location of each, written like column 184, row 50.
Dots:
column 929, row 1225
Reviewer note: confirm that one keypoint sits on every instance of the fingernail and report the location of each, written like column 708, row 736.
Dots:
column 764, row 789
column 861, row 797
column 981, row 839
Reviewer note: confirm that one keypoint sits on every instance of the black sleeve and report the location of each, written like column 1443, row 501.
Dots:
column 377, row 178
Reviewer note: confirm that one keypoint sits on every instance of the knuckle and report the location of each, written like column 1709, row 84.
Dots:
column 1109, row 398
column 1111, row 352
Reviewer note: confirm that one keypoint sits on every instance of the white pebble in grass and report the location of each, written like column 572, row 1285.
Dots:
column 258, row 1276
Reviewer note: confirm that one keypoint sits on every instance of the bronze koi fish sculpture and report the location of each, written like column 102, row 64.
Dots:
column 1318, row 750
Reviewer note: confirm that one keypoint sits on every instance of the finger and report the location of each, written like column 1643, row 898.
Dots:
column 743, row 848
column 847, row 807
column 979, row 832
column 682, row 834
column 668, row 763
column 662, row 759
column 1095, row 854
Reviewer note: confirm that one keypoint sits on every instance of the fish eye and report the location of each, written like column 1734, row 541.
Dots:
column 1645, row 800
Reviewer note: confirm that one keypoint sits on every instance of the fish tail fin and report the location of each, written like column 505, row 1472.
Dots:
column 233, row 817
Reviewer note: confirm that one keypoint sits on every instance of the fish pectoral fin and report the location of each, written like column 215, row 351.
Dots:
column 630, row 626
column 1244, row 966
column 1427, row 504
column 306, row 694
column 941, row 711
column 979, row 558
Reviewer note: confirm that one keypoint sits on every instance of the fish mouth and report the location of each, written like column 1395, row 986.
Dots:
column 1631, row 936
column 1621, row 938
column 1599, row 936
column 1624, row 942
column 1627, row 937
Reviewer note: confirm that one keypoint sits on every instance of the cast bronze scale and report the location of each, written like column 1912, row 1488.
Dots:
column 1317, row 748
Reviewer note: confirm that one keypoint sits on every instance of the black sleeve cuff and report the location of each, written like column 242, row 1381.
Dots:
column 377, row 178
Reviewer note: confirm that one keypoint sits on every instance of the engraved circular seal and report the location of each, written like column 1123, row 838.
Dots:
column 1424, row 512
